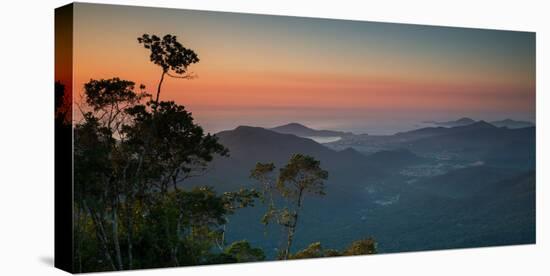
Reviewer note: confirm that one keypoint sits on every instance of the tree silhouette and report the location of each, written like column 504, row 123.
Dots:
column 170, row 55
column 129, row 158
column 63, row 105
column 100, row 159
column 301, row 175
column 126, row 156
column 171, row 146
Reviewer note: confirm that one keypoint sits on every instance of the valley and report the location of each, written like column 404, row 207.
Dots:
column 430, row 188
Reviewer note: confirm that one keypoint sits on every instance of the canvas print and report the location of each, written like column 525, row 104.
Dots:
column 193, row 137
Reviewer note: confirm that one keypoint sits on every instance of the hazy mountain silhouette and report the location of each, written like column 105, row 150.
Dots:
column 433, row 131
column 460, row 208
column 509, row 123
column 460, row 122
column 263, row 145
column 304, row 131
column 250, row 145
column 476, row 139
column 472, row 142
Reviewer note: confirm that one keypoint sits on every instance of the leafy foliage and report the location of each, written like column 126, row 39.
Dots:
column 315, row 250
column 263, row 173
column 302, row 175
column 167, row 138
column 361, row 247
column 130, row 159
column 105, row 92
column 168, row 53
column 243, row 252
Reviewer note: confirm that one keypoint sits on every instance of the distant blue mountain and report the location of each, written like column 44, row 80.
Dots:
column 460, row 122
column 509, row 123
column 304, row 131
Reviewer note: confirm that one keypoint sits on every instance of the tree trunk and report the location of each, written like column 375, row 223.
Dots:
column 115, row 238
column 292, row 227
column 129, row 233
column 175, row 248
column 159, row 86
column 100, row 233
column 104, row 243
column 78, row 237
column 289, row 242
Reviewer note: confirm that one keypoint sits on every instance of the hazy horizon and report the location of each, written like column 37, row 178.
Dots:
column 358, row 126
column 259, row 70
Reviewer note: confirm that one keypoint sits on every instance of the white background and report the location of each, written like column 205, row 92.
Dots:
column 26, row 136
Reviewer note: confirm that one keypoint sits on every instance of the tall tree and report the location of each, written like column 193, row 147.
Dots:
column 170, row 55
column 98, row 187
column 300, row 176
column 174, row 60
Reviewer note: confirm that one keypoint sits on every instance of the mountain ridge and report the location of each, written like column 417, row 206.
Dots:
column 304, row 131
column 507, row 122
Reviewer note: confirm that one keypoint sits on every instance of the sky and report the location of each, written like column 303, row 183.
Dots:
column 366, row 77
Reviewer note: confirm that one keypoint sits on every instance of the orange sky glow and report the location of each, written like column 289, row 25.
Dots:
column 255, row 65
